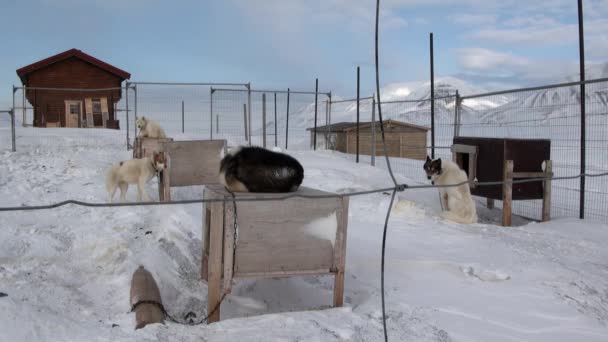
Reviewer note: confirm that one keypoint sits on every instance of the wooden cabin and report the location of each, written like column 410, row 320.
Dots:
column 403, row 140
column 70, row 89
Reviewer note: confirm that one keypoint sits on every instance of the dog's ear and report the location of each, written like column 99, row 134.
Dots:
column 436, row 164
column 428, row 159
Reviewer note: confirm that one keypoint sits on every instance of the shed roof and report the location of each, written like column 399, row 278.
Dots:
column 22, row 72
column 349, row 126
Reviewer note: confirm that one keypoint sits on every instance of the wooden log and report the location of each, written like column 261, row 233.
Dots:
column 144, row 288
column 546, row 216
column 507, row 193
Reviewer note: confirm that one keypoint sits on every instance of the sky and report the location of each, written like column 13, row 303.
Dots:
column 493, row 44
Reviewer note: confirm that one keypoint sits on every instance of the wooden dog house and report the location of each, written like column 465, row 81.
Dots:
column 403, row 140
column 275, row 238
column 73, row 89
column 502, row 159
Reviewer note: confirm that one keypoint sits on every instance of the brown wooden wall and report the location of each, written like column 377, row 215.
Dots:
column 49, row 105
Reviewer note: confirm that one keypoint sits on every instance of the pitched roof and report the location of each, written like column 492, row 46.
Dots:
column 348, row 126
column 68, row 54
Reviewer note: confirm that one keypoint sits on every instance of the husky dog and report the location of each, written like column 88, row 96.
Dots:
column 134, row 171
column 456, row 201
column 149, row 128
column 256, row 169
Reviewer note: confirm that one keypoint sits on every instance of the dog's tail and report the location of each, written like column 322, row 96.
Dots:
column 112, row 179
column 466, row 219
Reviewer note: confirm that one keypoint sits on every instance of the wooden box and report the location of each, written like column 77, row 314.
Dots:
column 527, row 155
column 276, row 238
column 193, row 162
column 143, row 147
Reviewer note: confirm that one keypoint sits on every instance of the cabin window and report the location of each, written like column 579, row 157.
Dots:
column 96, row 106
column 75, row 108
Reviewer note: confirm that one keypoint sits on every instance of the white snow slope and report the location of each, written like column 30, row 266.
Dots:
column 67, row 271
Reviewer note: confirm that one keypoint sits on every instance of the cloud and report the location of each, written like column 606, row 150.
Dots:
column 473, row 19
column 497, row 65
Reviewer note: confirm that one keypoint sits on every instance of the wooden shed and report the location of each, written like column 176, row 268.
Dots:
column 403, row 139
column 70, row 89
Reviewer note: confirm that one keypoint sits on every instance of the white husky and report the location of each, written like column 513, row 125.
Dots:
column 134, row 171
column 456, row 201
column 149, row 128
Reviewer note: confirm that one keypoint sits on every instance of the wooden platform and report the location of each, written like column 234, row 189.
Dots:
column 143, row 147
column 276, row 238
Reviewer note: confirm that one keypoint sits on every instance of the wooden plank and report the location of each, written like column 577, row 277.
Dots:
column 164, row 183
column 460, row 148
column 215, row 261
column 186, row 170
column 546, row 215
column 507, row 193
column 105, row 115
column 282, row 274
column 340, row 253
column 206, row 225
column 228, row 245
column 88, row 105
column 528, row 174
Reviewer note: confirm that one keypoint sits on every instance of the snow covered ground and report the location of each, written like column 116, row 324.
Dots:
column 67, row 272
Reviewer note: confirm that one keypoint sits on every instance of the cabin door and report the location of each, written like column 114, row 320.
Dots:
column 73, row 110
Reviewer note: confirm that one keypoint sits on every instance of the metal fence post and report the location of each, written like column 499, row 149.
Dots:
column 432, row 99
column 287, row 121
column 13, row 137
column 373, row 142
column 326, row 124
column 264, row 120
column 581, row 42
column 135, row 107
column 329, row 110
column 456, row 114
column 24, row 110
column 127, row 115
column 184, row 118
column 275, row 120
column 314, row 139
column 250, row 111
column 211, row 113
column 217, row 124
column 245, row 121
column 357, row 137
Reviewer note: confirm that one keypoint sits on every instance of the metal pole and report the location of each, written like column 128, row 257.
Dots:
column 581, row 43
column 183, row 117
column 249, row 108
column 373, row 142
column 275, row 119
column 314, row 139
column 211, row 113
column 127, row 114
column 13, row 136
column 264, row 120
column 357, row 146
column 287, row 121
column 432, row 100
column 134, row 109
column 23, row 90
column 217, row 124
column 326, row 124
column 456, row 114
column 245, row 121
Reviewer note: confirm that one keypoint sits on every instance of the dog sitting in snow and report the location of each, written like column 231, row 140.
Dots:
column 256, row 169
column 134, row 171
column 457, row 202
column 149, row 128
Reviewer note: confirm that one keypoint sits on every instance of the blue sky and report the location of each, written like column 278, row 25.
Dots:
column 281, row 43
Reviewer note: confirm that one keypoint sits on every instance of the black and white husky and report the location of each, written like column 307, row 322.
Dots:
column 256, row 169
column 456, row 201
